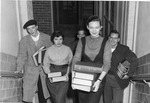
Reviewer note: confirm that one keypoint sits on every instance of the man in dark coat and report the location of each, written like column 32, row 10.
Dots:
column 116, row 80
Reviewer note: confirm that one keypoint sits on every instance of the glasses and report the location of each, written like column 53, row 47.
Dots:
column 113, row 38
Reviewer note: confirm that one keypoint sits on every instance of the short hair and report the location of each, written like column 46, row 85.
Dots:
column 81, row 29
column 30, row 22
column 93, row 18
column 56, row 34
column 115, row 32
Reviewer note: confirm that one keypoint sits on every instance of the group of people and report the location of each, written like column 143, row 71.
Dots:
column 59, row 57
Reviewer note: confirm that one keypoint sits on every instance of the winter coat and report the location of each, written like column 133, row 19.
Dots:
column 31, row 72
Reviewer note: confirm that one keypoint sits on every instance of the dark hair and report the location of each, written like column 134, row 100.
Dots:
column 81, row 29
column 93, row 18
column 56, row 34
column 115, row 32
column 30, row 22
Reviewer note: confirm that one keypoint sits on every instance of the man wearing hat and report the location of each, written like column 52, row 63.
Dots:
column 33, row 76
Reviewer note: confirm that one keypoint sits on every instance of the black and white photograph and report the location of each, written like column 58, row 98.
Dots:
column 74, row 51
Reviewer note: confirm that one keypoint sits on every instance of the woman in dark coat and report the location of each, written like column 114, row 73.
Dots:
column 93, row 49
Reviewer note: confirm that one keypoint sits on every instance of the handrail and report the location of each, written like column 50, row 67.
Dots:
column 143, row 78
column 10, row 74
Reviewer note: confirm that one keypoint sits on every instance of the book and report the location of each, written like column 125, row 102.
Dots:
column 87, row 67
column 87, row 76
column 82, row 87
column 123, row 69
column 80, row 81
column 59, row 79
column 54, row 74
column 35, row 58
column 39, row 55
column 84, row 75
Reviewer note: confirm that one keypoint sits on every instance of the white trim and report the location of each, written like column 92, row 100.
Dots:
column 131, row 42
column 135, row 25
column 18, row 20
column 134, row 44
column 23, row 15
column 131, row 17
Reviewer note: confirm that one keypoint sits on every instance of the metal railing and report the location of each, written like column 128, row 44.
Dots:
column 10, row 74
column 142, row 78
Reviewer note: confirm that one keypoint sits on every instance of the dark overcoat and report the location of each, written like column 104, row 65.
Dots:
column 120, row 54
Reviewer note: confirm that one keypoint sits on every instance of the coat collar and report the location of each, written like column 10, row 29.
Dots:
column 40, row 42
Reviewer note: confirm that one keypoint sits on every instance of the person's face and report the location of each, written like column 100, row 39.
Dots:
column 114, row 39
column 94, row 28
column 80, row 34
column 58, row 41
column 32, row 30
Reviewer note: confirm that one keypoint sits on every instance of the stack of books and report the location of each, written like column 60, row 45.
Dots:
column 38, row 56
column 84, row 75
column 56, row 77
column 123, row 69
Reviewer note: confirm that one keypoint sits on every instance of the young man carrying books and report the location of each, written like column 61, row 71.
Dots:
column 123, row 65
column 34, row 77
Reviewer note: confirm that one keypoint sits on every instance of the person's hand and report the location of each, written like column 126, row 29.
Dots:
column 73, row 74
column 96, row 85
column 42, row 66
column 17, row 72
column 50, row 79
column 125, row 77
column 67, row 77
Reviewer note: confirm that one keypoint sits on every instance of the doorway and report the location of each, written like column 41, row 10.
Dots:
column 70, row 15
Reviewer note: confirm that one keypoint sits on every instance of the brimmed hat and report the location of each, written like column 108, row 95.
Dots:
column 28, row 23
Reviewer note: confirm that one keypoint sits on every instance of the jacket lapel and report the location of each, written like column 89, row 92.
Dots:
column 40, row 42
column 31, row 42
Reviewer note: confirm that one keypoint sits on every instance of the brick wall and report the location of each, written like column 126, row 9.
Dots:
column 42, row 13
column 10, row 88
column 141, row 91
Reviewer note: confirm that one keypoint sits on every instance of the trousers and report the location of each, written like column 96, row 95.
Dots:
column 40, row 92
column 112, row 90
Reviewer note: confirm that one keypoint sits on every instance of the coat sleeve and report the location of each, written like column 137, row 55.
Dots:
column 77, row 56
column 22, row 55
column 46, row 63
column 70, row 55
column 107, row 57
column 47, row 40
column 132, row 58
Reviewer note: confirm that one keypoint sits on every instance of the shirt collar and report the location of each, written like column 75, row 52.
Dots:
column 37, row 37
